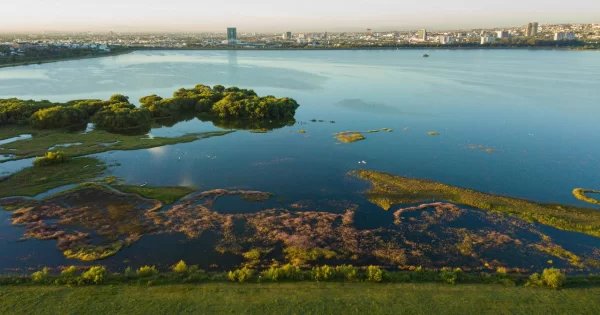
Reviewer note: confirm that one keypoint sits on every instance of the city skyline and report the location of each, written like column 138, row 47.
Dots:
column 271, row 16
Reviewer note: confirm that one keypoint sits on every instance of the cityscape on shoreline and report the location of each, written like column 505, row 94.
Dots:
column 19, row 44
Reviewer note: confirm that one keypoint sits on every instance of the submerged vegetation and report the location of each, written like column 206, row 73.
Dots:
column 389, row 190
column 349, row 136
column 581, row 194
column 433, row 133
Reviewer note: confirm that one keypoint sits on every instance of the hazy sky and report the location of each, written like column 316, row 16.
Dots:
column 277, row 16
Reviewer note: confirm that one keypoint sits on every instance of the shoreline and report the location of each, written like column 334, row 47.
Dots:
column 30, row 63
column 132, row 50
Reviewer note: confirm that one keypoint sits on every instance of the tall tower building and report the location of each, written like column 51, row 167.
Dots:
column 369, row 32
column 422, row 35
column 231, row 35
column 287, row 35
column 532, row 29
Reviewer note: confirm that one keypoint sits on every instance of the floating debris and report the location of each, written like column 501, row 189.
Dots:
column 433, row 133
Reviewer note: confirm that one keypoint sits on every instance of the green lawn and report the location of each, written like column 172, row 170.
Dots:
column 297, row 298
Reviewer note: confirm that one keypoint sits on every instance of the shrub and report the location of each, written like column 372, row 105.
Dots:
column 122, row 117
column 58, row 117
column 129, row 272
column 450, row 276
column 40, row 276
column 240, row 275
column 323, row 273
column 51, row 158
column 550, row 277
column 146, row 271
column 285, row 272
column 180, row 267
column 553, row 278
column 69, row 272
column 96, row 275
column 535, row 280
column 348, row 272
column 374, row 274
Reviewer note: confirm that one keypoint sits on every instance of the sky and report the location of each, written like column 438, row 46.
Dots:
column 279, row 16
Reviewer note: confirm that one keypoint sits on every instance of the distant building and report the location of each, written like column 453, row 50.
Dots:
column 487, row 39
column 231, row 35
column 502, row 34
column 564, row 36
column 532, row 29
column 287, row 35
column 422, row 35
column 445, row 39
column 369, row 32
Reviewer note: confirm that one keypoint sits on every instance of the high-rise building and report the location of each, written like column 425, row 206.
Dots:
column 564, row 36
column 502, row 34
column 532, row 29
column 231, row 35
column 287, row 35
column 369, row 32
column 422, row 35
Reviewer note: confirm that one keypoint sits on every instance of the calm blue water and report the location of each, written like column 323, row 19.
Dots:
column 539, row 110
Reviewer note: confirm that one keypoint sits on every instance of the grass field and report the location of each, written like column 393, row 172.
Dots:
column 297, row 298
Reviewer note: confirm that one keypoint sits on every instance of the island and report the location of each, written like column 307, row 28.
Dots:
column 120, row 125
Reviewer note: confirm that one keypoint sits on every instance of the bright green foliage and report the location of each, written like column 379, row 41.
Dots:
column 95, row 275
column 550, row 277
column 40, row 276
column 58, row 117
column 18, row 112
column 146, row 271
column 285, row 272
column 323, row 273
column 122, row 117
column 118, row 98
column 69, row 272
column 374, row 274
column 348, row 272
column 51, row 158
column 240, row 275
column 180, row 267
column 224, row 103
column 553, row 278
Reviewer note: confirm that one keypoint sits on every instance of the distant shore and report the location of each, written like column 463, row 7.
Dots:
column 134, row 49
column 33, row 62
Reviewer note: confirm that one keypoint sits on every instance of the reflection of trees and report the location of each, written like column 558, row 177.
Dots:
column 242, row 124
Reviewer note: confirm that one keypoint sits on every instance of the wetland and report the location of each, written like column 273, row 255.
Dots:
column 224, row 178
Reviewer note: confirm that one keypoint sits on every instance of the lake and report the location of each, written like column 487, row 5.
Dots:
column 537, row 110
